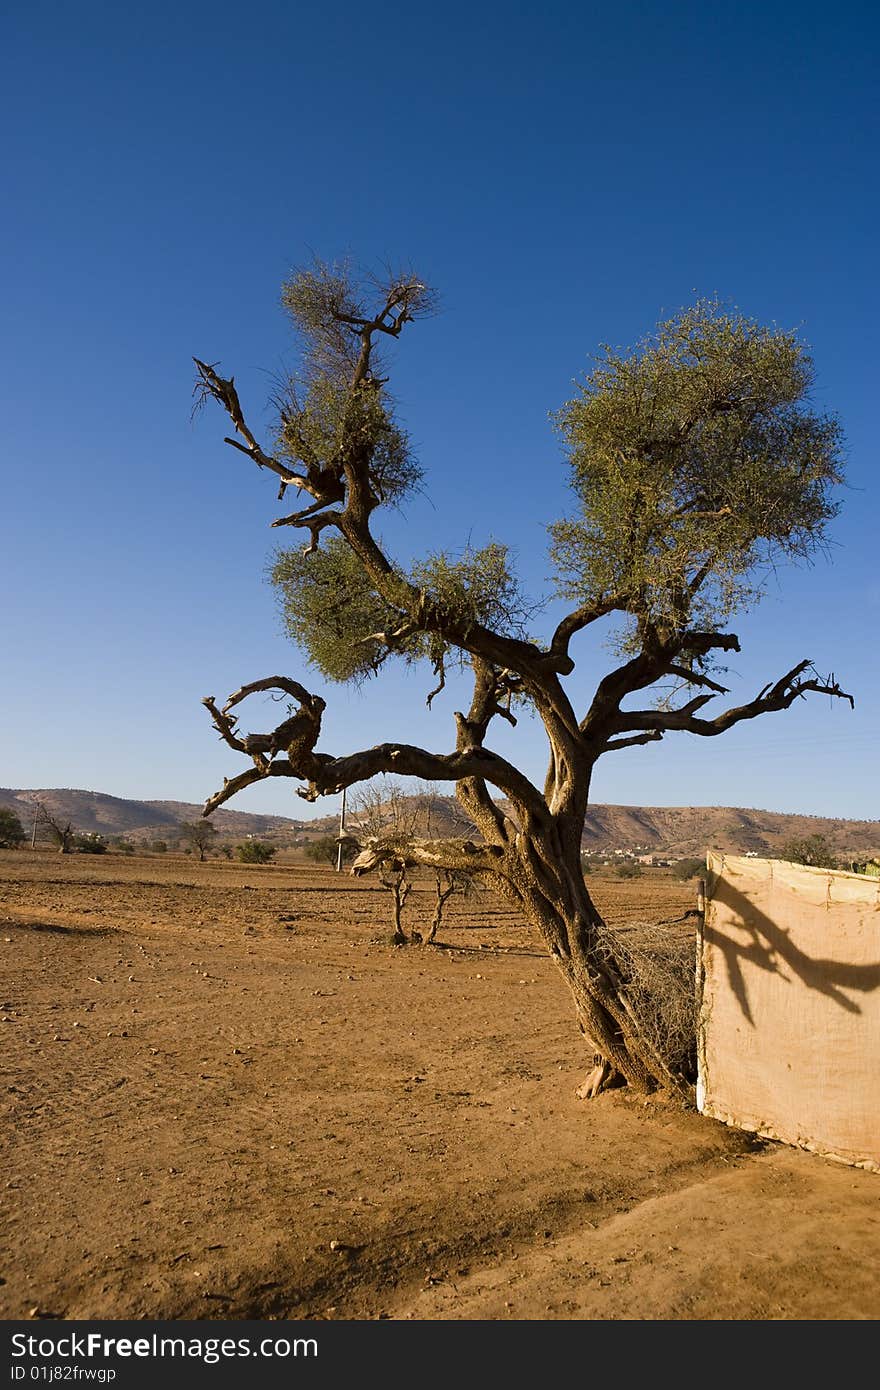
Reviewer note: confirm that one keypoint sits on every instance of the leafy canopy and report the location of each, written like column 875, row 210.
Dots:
column 255, row 852
column 332, row 610
column 11, row 832
column 322, row 422
column 810, row 849
column 696, row 462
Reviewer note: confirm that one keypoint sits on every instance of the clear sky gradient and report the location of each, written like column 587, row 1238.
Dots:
column 565, row 174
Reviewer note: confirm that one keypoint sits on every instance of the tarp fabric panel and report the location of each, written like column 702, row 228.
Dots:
column 789, row 1022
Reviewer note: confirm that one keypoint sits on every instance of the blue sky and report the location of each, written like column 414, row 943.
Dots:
column 565, row 174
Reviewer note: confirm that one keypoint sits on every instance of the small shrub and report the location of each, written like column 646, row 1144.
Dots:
column 255, row 852
column 688, row 868
column 199, row 835
column 810, row 849
column 627, row 870
column 325, row 849
column 89, row 843
column 159, row 846
column 11, row 832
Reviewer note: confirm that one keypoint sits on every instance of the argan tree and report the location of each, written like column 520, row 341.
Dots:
column 325, row 850
column 449, row 883
column 11, row 832
column 810, row 849
column 53, row 825
column 255, row 852
column 199, row 835
column 696, row 461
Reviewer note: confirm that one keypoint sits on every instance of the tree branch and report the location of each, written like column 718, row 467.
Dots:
column 299, row 518
column 311, row 522
column 210, row 384
column 645, row 669
column 233, row 785
column 650, row 737
column 325, row 774
column 472, row 793
column 575, row 622
column 772, row 698
column 402, row 852
column 692, row 677
column 538, row 668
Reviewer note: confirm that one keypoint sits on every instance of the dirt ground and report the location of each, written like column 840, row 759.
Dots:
column 226, row 1095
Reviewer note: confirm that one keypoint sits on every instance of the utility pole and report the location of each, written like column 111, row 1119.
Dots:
column 341, row 833
column 34, row 835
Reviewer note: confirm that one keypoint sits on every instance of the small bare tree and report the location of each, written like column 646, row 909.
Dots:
column 449, row 883
column 55, row 827
column 385, row 821
column 390, row 829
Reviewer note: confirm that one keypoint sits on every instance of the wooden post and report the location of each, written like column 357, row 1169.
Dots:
column 701, row 897
column 341, row 833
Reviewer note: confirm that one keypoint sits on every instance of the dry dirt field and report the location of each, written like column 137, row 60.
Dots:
column 225, row 1095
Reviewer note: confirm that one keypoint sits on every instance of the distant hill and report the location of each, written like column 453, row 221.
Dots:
column 688, row 830
column 681, row 831
column 100, row 814
column 673, row 830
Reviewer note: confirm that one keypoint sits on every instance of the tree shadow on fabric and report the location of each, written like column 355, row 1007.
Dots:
column 770, row 948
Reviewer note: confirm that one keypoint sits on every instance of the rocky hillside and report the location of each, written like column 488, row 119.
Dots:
column 686, row 830
column 669, row 830
column 97, row 813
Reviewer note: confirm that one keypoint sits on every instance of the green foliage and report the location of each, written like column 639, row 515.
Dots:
column 159, row 846
column 696, row 463
column 479, row 587
column 255, row 852
column 323, row 299
column 11, row 832
column 332, row 611
column 810, row 849
column 88, row 842
column 326, row 421
column 199, row 835
column 329, row 608
column 325, row 849
column 695, row 460
column 687, row 869
column 323, row 421
column 628, row 870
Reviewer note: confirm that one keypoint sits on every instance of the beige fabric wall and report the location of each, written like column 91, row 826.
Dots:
column 789, row 1033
